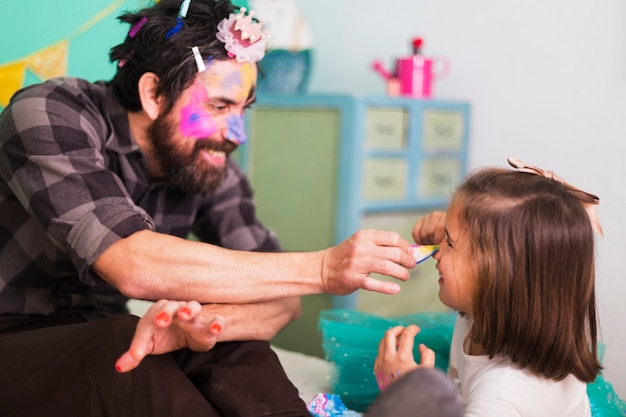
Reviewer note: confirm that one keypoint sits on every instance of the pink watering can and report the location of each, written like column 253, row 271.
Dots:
column 414, row 74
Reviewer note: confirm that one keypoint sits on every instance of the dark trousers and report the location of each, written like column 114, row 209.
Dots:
column 69, row 370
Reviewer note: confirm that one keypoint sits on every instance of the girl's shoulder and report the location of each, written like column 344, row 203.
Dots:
column 502, row 382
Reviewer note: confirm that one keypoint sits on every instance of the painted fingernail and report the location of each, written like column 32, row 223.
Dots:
column 185, row 311
column 216, row 327
column 118, row 368
column 163, row 317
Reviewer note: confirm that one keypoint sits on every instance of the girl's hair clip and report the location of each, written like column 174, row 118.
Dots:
column 243, row 37
column 587, row 200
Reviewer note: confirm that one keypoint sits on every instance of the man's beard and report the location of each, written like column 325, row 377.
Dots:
column 189, row 173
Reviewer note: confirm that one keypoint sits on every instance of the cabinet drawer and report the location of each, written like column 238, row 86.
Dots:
column 384, row 179
column 443, row 130
column 437, row 178
column 385, row 128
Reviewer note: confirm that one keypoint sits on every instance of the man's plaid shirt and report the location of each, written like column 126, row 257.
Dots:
column 73, row 182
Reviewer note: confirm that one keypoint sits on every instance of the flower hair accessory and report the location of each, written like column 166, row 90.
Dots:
column 588, row 201
column 243, row 37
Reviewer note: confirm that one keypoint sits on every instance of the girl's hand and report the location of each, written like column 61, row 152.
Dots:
column 430, row 229
column 168, row 326
column 395, row 355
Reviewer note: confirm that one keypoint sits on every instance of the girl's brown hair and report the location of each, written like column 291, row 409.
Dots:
column 533, row 252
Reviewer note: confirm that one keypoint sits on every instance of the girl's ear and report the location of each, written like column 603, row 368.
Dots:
column 150, row 102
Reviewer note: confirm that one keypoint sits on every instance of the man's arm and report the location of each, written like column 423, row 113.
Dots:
column 256, row 321
column 149, row 265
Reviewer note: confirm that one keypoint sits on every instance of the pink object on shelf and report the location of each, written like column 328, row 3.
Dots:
column 414, row 74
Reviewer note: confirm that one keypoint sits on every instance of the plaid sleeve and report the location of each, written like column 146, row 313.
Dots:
column 230, row 221
column 52, row 159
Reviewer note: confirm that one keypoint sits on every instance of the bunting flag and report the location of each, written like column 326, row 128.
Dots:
column 48, row 62
column 11, row 79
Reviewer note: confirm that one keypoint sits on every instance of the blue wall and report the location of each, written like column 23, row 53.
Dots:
column 28, row 27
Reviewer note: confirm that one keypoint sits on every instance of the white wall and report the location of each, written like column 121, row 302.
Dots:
column 547, row 83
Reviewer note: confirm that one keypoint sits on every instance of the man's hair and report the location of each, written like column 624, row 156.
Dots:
column 170, row 59
column 532, row 250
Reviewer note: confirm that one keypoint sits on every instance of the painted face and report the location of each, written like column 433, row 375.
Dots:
column 215, row 103
column 456, row 277
column 193, row 141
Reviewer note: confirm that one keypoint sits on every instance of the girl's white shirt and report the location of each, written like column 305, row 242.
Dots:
column 498, row 387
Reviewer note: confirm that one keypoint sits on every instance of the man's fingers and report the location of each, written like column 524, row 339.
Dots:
column 376, row 285
column 217, row 325
column 127, row 362
column 189, row 311
column 166, row 312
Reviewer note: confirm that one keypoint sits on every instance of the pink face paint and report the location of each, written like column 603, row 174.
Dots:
column 236, row 129
column 195, row 121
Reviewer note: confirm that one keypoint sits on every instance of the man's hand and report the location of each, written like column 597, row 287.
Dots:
column 395, row 355
column 430, row 230
column 168, row 326
column 346, row 267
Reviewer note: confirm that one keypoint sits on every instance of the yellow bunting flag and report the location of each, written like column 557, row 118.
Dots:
column 49, row 62
column 11, row 79
column 52, row 61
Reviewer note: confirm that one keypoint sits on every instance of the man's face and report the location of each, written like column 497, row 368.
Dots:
column 191, row 143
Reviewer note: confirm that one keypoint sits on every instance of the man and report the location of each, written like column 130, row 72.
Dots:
column 101, row 183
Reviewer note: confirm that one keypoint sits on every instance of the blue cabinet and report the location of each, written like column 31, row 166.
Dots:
column 405, row 158
column 325, row 166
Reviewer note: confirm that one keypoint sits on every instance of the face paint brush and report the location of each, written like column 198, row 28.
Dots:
column 423, row 252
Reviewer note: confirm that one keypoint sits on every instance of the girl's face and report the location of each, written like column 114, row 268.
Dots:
column 456, row 277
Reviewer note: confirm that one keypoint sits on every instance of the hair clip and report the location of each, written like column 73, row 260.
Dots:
column 182, row 13
column 199, row 60
column 123, row 61
column 243, row 37
column 173, row 31
column 184, row 8
column 136, row 27
column 588, row 200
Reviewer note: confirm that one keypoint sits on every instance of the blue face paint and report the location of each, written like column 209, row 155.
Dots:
column 236, row 129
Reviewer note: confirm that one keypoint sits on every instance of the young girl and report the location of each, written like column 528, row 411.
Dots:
column 517, row 263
